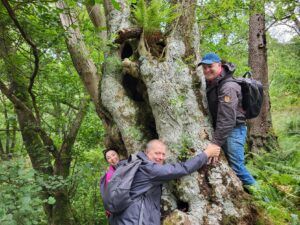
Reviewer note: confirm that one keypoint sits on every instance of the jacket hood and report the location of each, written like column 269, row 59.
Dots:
column 229, row 67
column 142, row 156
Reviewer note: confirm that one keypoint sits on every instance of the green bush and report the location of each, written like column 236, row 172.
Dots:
column 86, row 199
column 20, row 203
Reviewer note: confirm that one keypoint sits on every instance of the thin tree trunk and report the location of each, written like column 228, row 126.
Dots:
column 7, row 127
column 79, row 53
column 260, row 135
column 89, row 75
column 2, row 153
column 297, row 23
column 39, row 158
column 14, row 134
column 97, row 16
column 62, row 212
column 59, row 127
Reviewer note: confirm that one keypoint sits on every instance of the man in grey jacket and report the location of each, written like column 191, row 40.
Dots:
column 148, row 180
column 224, row 98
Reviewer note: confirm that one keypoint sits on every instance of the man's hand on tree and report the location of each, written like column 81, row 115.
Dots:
column 212, row 151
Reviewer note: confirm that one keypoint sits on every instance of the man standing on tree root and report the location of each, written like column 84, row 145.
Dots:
column 228, row 117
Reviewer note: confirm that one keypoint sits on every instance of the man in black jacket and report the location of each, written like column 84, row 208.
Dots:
column 228, row 117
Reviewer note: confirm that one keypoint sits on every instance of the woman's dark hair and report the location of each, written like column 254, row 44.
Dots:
column 107, row 150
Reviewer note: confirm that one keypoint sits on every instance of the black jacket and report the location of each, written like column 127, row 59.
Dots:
column 225, row 104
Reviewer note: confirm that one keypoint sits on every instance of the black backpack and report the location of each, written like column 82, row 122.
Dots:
column 116, row 196
column 252, row 91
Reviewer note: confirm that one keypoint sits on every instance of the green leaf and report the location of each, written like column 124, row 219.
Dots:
column 116, row 5
column 51, row 201
column 154, row 16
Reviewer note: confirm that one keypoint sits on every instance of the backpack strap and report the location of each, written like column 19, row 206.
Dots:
column 142, row 211
column 249, row 73
column 132, row 157
column 222, row 82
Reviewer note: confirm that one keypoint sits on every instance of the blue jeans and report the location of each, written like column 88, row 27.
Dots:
column 234, row 151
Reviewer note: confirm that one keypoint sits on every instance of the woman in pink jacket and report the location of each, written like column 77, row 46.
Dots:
column 112, row 157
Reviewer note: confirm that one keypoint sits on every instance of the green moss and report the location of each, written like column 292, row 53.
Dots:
column 189, row 60
column 135, row 133
column 185, row 151
column 178, row 101
column 113, row 65
column 174, row 218
column 229, row 220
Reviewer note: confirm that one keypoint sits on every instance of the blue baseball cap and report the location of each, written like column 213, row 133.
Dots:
column 210, row 58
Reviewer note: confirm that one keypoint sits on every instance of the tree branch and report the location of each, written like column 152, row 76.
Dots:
column 48, row 142
column 70, row 105
column 276, row 20
column 97, row 16
column 35, row 52
column 17, row 102
column 69, row 139
column 63, row 161
column 4, row 130
column 83, row 64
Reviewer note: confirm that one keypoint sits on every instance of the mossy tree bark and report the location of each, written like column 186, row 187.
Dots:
column 261, row 135
column 87, row 70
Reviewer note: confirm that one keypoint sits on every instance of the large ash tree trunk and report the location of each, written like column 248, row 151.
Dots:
column 159, row 94
column 261, row 135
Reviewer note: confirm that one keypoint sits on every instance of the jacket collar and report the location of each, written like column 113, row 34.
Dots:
column 142, row 156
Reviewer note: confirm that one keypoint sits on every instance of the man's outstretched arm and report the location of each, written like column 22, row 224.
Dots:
column 166, row 172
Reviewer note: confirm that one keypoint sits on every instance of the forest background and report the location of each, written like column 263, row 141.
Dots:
column 66, row 113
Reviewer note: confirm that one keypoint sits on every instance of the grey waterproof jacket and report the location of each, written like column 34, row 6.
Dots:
column 149, row 179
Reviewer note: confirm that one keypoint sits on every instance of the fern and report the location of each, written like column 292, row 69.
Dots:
column 278, row 176
column 154, row 16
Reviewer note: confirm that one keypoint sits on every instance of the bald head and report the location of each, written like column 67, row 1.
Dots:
column 156, row 151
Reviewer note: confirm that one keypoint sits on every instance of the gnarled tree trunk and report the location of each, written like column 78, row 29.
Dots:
column 260, row 135
column 160, row 87
column 159, row 93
